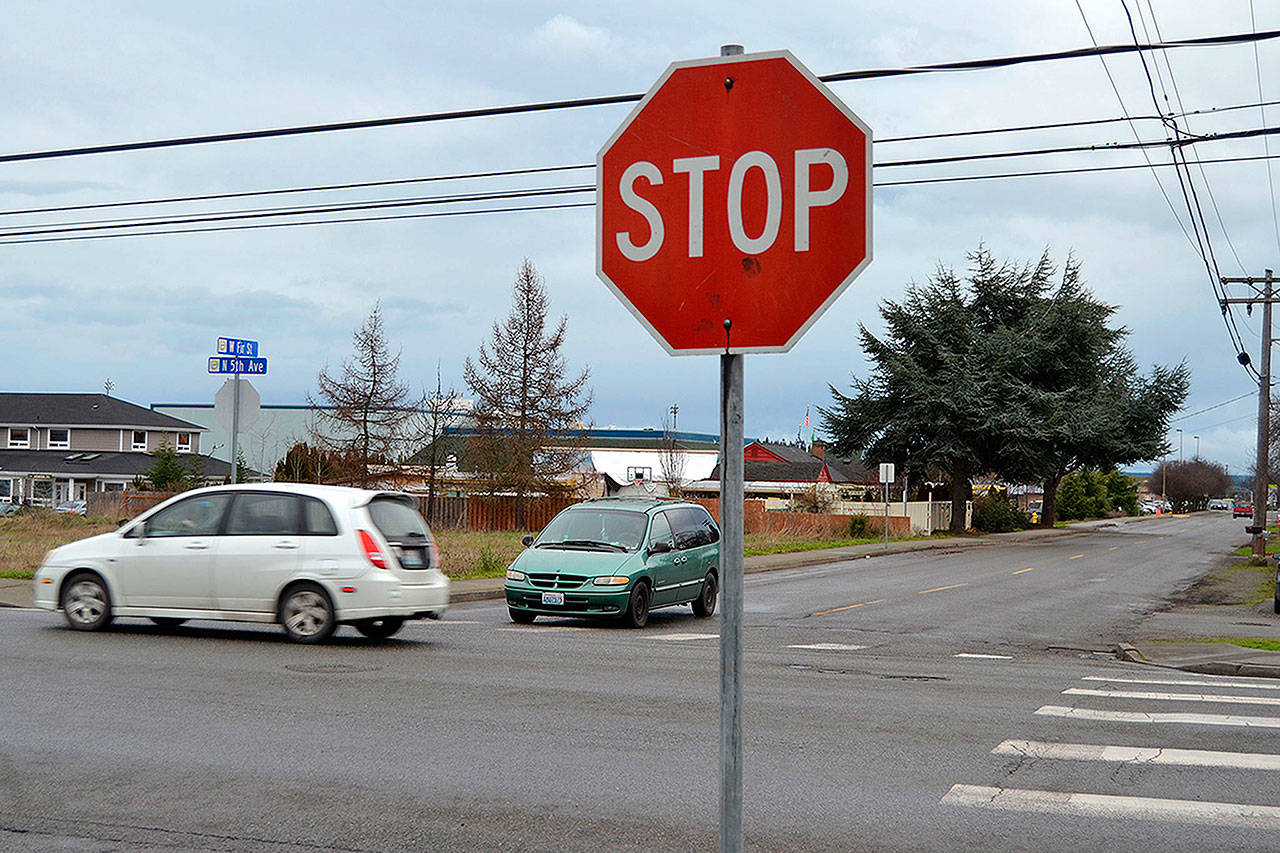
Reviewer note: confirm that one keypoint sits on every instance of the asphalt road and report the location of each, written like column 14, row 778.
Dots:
column 868, row 724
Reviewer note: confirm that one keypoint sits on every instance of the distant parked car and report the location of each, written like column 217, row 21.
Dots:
column 10, row 509
column 1220, row 504
column 1242, row 509
column 307, row 557
column 72, row 508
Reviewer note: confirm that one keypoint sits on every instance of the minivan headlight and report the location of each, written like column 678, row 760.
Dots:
column 613, row 580
column 515, row 575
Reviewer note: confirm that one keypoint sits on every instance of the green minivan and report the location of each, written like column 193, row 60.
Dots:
column 618, row 558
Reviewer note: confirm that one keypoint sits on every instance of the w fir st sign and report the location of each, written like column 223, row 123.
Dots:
column 739, row 188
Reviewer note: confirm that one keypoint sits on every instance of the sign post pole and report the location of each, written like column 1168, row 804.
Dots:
column 235, row 429
column 731, row 550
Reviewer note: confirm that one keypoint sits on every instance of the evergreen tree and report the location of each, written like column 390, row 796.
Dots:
column 1015, row 372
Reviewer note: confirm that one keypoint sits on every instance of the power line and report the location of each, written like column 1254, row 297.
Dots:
column 1249, row 394
column 34, row 237
column 1266, row 144
column 577, row 166
column 576, row 103
column 119, row 223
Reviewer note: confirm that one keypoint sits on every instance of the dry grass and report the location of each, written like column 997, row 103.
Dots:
column 478, row 553
column 25, row 537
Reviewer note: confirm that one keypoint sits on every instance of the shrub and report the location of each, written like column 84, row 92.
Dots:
column 995, row 513
column 858, row 526
column 490, row 563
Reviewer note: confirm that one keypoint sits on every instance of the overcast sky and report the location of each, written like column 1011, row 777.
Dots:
column 145, row 311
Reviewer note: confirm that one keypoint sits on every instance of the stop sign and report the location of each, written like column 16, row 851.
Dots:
column 738, row 189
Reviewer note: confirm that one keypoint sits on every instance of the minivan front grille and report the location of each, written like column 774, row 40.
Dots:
column 556, row 581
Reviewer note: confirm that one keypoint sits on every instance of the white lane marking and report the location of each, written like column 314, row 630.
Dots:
column 1184, row 682
column 828, row 647
column 1110, row 806
column 1223, row 698
column 679, row 638
column 1146, row 755
column 460, row 622
column 983, row 657
column 1143, row 717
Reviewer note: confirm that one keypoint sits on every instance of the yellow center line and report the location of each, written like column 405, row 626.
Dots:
column 1020, row 571
column 848, row 607
column 941, row 588
column 1076, row 557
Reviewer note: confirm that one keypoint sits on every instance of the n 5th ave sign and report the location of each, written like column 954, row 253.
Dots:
column 739, row 188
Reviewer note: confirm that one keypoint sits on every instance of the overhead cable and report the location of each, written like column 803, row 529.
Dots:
column 575, row 103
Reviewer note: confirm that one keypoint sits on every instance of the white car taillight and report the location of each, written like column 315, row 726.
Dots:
column 371, row 550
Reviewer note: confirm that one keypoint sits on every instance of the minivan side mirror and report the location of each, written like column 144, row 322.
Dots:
column 660, row 547
column 527, row 541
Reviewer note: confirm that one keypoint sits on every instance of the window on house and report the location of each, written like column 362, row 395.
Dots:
column 639, row 474
column 59, row 439
column 139, row 440
column 184, row 442
column 19, row 439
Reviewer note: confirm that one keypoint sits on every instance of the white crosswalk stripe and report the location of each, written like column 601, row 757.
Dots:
column 1138, row 757
column 1143, row 755
column 1225, row 699
column 1143, row 717
column 1107, row 805
column 1176, row 682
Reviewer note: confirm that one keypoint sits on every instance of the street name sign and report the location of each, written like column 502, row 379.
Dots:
column 237, row 346
column 738, row 189
column 250, row 366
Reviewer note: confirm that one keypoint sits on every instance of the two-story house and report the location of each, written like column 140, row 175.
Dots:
column 57, row 447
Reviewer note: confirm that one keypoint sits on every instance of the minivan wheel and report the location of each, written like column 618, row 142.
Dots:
column 379, row 629
column 306, row 614
column 86, row 604
column 521, row 617
column 705, row 604
column 637, row 613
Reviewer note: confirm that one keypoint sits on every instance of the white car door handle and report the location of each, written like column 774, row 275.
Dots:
column 196, row 546
column 286, row 546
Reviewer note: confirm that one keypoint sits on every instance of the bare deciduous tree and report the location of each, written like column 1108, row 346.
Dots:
column 672, row 460
column 439, row 414
column 363, row 411
column 527, row 404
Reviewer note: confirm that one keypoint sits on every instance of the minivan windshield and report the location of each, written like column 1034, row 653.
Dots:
column 397, row 519
column 595, row 528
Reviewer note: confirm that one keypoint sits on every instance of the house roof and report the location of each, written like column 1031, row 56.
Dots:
column 91, row 465
column 83, row 410
column 769, row 462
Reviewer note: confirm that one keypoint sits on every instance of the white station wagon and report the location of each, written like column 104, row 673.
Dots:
column 308, row 557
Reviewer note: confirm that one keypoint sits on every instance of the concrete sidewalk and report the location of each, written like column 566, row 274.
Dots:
column 1205, row 658
column 18, row 593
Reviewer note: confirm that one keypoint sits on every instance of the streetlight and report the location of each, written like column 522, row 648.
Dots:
column 1179, row 446
column 1197, row 438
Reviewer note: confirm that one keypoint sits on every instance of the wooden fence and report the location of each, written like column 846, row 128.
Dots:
column 756, row 520
column 122, row 505
column 479, row 512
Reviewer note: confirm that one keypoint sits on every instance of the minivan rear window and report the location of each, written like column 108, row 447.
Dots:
column 397, row 520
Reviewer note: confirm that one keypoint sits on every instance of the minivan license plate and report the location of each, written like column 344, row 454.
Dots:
column 553, row 598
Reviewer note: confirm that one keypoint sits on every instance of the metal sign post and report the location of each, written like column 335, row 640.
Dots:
column 886, row 477
column 732, row 509
column 236, row 356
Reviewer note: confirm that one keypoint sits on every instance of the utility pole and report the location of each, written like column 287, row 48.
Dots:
column 1265, row 296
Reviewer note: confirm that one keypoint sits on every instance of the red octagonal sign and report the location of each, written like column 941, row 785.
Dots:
column 739, row 188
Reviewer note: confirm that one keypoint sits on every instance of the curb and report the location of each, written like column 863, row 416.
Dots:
column 1130, row 653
